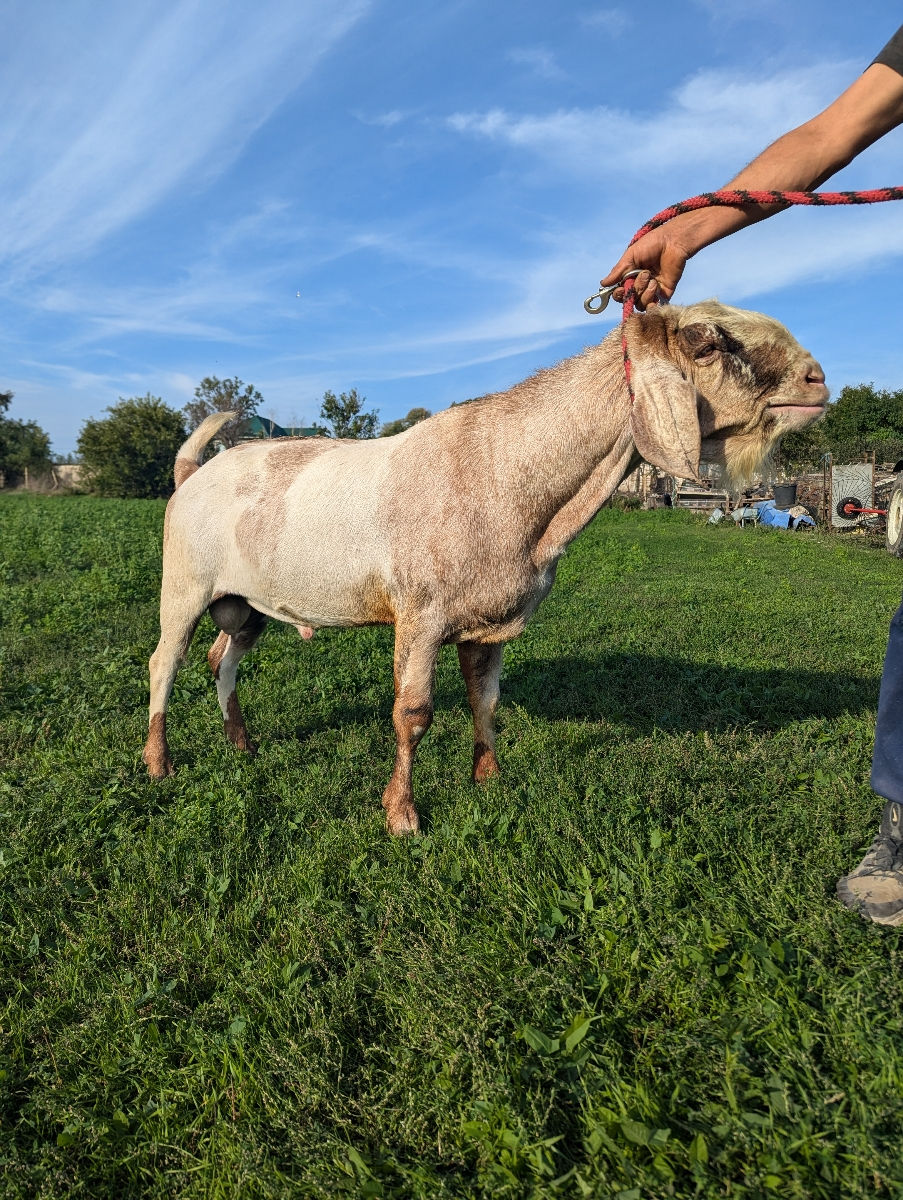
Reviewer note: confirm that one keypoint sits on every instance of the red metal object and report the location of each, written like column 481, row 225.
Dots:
column 849, row 509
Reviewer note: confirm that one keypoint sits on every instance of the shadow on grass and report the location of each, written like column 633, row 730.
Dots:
column 645, row 692
column 640, row 691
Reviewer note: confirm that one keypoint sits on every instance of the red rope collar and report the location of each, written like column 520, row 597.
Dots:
column 736, row 198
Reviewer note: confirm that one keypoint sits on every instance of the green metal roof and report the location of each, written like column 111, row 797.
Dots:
column 263, row 427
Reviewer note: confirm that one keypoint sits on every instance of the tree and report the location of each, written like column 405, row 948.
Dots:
column 223, row 395
column 864, row 413
column 345, row 418
column 24, row 446
column 414, row 417
column 801, row 449
column 862, row 418
column 132, row 451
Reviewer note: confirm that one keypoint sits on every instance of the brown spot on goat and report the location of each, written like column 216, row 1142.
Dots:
column 156, row 750
column 248, row 485
column 234, row 725
column 768, row 363
column 216, row 652
column 288, row 457
column 411, row 722
column 485, row 764
column 372, row 602
column 260, row 528
column 184, row 469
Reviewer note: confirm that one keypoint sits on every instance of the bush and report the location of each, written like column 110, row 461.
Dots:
column 24, row 446
column 131, row 452
column 625, row 503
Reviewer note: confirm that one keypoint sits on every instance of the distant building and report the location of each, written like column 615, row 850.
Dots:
column 263, row 427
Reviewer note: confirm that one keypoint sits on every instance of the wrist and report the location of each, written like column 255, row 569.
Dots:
column 693, row 231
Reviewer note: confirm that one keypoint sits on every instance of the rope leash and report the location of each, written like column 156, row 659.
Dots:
column 724, row 198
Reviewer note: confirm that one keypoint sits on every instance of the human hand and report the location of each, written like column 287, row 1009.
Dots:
column 660, row 258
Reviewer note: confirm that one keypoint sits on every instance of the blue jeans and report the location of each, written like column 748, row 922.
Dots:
column 887, row 757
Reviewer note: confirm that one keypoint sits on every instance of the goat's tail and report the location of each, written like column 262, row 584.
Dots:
column 188, row 459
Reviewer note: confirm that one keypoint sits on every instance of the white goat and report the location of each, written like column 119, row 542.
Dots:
column 452, row 530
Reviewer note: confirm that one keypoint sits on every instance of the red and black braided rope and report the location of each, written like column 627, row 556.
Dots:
column 740, row 198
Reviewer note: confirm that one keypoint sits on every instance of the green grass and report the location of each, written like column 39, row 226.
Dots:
column 619, row 971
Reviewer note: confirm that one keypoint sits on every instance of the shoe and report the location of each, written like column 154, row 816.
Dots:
column 875, row 887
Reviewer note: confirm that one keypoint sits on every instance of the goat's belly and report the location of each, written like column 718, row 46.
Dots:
column 321, row 615
column 322, row 565
column 321, row 598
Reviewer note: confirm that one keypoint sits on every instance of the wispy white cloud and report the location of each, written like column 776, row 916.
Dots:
column 730, row 14
column 539, row 60
column 715, row 117
column 238, row 287
column 385, row 120
column 613, row 21
column 156, row 97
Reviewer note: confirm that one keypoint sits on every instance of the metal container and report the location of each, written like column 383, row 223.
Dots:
column 784, row 496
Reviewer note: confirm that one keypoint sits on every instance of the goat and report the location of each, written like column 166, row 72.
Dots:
column 452, row 530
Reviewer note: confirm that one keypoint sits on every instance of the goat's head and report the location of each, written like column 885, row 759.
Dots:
column 720, row 384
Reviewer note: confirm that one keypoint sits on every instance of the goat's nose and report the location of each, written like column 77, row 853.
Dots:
column 814, row 374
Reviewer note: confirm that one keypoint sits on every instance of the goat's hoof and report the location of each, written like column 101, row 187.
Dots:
column 485, row 765
column 403, row 822
column 159, row 768
column 235, row 730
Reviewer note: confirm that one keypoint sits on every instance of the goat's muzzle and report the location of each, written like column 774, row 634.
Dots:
column 808, row 401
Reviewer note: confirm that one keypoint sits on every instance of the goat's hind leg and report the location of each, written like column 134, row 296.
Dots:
column 179, row 615
column 481, row 666
column 224, row 656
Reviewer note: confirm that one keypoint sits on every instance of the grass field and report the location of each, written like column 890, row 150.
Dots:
column 620, row 971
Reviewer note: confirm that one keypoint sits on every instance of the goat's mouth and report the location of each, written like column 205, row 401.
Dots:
column 793, row 409
column 800, row 413
column 816, row 400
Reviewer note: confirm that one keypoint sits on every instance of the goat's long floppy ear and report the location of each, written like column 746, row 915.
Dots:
column 664, row 420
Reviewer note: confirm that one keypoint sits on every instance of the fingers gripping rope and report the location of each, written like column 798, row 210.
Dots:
column 732, row 198
column 629, row 305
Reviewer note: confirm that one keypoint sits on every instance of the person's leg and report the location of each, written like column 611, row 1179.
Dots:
column 875, row 887
column 887, row 757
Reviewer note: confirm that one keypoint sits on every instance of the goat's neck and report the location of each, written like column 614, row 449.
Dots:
column 575, row 444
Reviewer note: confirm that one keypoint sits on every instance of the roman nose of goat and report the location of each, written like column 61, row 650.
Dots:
column 814, row 380
column 814, row 373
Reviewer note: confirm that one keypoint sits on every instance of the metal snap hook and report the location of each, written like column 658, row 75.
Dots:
column 604, row 294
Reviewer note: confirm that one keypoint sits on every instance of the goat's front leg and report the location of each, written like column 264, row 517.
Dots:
column 415, row 664
column 481, row 666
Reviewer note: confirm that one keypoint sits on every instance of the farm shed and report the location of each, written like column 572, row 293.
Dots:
column 263, row 427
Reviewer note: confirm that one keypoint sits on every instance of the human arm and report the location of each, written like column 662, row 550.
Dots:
column 799, row 161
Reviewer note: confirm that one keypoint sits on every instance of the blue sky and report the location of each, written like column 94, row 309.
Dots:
column 442, row 184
